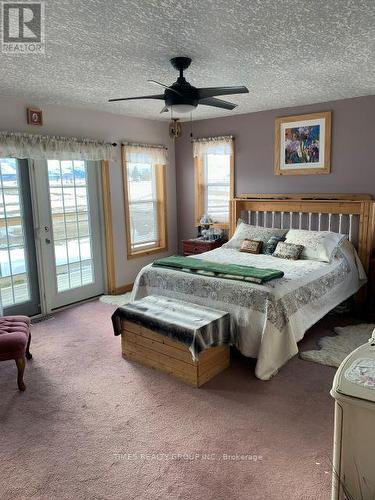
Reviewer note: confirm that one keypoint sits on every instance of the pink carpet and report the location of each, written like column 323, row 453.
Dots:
column 94, row 426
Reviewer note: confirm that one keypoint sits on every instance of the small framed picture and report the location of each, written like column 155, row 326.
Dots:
column 303, row 144
column 34, row 116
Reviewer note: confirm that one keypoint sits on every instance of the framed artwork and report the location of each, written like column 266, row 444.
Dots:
column 34, row 116
column 303, row 144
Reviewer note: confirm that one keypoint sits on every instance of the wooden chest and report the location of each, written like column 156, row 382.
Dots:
column 164, row 354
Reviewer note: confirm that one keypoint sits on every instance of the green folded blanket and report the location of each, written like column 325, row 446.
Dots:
column 218, row 270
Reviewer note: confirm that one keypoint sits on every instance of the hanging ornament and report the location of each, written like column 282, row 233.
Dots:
column 175, row 128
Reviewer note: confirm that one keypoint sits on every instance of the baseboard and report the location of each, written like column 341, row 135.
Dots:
column 123, row 289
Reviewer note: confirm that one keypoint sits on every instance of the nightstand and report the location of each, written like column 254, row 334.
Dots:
column 198, row 245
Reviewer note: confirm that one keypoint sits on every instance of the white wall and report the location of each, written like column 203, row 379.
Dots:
column 77, row 122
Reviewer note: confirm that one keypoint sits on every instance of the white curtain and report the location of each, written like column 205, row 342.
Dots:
column 38, row 147
column 213, row 145
column 145, row 153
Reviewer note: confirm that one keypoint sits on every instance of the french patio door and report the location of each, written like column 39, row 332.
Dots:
column 69, row 230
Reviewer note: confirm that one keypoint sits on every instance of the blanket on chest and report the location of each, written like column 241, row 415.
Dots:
column 198, row 327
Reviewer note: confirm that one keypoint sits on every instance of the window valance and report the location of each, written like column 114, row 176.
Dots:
column 37, row 147
column 145, row 153
column 213, row 145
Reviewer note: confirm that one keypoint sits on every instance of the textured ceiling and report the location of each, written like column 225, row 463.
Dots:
column 286, row 52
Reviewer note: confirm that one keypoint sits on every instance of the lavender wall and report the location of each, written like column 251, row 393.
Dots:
column 352, row 166
column 78, row 122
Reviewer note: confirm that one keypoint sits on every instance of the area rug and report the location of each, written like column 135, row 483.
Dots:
column 116, row 300
column 334, row 349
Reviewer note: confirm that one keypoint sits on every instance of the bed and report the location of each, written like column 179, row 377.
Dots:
column 269, row 320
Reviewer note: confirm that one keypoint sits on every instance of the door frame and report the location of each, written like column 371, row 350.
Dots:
column 45, row 304
column 37, row 237
column 104, row 189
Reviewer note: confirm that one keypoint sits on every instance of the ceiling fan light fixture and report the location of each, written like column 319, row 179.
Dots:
column 182, row 108
column 182, row 98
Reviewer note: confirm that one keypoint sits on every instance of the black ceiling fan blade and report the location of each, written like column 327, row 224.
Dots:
column 214, row 91
column 164, row 110
column 158, row 96
column 165, row 86
column 217, row 103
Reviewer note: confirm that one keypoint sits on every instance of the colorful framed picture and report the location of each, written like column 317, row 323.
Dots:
column 303, row 144
column 34, row 116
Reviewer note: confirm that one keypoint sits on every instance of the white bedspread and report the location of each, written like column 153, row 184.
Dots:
column 267, row 320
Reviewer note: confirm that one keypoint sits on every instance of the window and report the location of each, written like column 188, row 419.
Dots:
column 214, row 179
column 145, row 199
column 70, row 214
column 14, row 277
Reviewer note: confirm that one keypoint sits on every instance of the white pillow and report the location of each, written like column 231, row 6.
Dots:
column 247, row 232
column 318, row 245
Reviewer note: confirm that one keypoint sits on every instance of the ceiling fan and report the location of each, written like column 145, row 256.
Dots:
column 182, row 97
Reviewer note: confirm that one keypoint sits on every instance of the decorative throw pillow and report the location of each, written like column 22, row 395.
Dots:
column 251, row 246
column 247, row 232
column 288, row 251
column 271, row 244
column 318, row 245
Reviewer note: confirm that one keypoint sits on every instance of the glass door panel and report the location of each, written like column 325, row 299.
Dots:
column 71, row 234
column 68, row 186
column 18, row 272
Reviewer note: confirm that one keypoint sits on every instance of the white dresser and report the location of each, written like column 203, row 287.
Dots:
column 354, row 434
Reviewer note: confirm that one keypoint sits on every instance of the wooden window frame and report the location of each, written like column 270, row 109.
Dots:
column 108, row 228
column 200, row 189
column 161, row 203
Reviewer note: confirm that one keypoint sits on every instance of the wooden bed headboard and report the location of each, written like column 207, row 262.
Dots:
column 353, row 215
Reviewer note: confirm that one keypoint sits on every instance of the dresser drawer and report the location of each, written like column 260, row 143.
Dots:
column 193, row 247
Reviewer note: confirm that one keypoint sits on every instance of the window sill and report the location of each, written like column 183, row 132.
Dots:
column 150, row 251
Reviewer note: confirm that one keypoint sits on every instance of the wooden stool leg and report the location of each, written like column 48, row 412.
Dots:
column 28, row 353
column 20, row 362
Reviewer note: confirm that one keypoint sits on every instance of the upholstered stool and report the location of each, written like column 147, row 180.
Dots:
column 15, row 338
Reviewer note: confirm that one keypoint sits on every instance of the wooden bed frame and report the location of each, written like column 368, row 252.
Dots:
column 351, row 214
